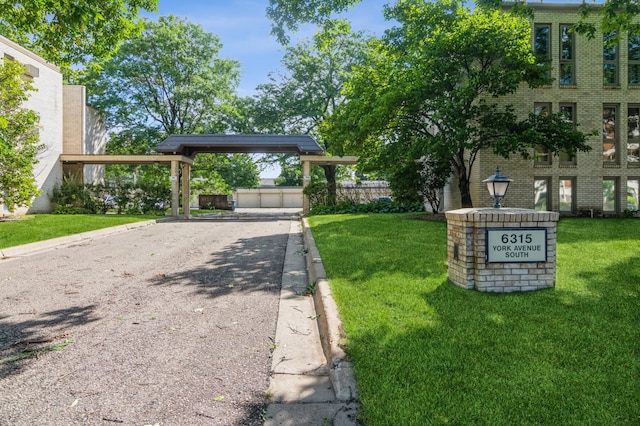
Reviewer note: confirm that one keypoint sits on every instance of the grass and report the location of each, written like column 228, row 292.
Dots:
column 427, row 352
column 32, row 228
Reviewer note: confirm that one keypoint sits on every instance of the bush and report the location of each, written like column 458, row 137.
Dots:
column 318, row 193
column 77, row 198
column 373, row 207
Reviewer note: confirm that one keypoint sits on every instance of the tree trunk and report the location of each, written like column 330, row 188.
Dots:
column 465, row 194
column 330, row 175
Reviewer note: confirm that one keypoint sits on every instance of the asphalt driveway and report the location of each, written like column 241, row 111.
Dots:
column 170, row 324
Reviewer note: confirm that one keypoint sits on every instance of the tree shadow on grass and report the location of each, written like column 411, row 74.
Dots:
column 558, row 356
column 362, row 248
column 23, row 340
column 567, row 355
column 248, row 265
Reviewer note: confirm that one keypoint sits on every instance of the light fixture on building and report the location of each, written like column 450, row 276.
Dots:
column 497, row 186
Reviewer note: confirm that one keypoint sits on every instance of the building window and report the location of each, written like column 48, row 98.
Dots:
column 609, row 134
column 567, row 195
column 610, row 59
column 567, row 55
column 542, row 43
column 541, row 200
column 609, row 195
column 541, row 153
column 633, row 194
column 634, row 59
column 633, row 135
column 568, row 112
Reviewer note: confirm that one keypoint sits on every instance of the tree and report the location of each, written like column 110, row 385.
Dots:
column 309, row 90
column 169, row 80
column 414, row 178
column 236, row 170
column 288, row 14
column 437, row 80
column 615, row 16
column 72, row 31
column 19, row 138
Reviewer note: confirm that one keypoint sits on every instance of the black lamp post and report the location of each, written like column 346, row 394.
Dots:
column 497, row 185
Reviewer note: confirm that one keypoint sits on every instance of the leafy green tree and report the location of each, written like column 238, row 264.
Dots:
column 437, row 80
column 72, row 31
column 236, row 170
column 291, row 171
column 289, row 14
column 413, row 174
column 169, row 79
column 19, row 138
column 617, row 16
column 299, row 99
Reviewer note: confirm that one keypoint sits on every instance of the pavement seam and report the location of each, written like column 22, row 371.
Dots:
column 308, row 396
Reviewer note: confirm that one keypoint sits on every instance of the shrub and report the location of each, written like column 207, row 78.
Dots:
column 318, row 193
column 372, row 207
column 76, row 198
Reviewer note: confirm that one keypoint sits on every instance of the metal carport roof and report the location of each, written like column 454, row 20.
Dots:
column 189, row 145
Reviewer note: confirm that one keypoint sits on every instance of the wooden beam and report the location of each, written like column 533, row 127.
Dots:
column 324, row 160
column 124, row 159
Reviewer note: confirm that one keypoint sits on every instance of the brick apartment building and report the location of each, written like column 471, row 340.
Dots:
column 595, row 85
column 67, row 125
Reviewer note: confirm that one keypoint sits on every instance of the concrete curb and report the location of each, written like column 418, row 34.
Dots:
column 329, row 322
column 241, row 216
column 41, row 246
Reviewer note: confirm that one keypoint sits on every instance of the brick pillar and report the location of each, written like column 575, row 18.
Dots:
column 467, row 249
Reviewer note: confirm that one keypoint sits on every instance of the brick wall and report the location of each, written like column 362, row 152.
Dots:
column 589, row 94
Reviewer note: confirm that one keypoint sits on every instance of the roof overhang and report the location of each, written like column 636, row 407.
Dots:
column 190, row 145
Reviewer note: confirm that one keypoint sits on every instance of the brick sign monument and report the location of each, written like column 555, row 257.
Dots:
column 502, row 250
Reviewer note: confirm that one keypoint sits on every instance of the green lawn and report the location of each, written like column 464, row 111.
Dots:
column 40, row 227
column 427, row 352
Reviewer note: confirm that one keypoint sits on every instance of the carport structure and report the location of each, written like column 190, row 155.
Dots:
column 180, row 150
column 175, row 161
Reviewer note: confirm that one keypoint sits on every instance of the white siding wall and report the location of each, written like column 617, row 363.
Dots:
column 47, row 102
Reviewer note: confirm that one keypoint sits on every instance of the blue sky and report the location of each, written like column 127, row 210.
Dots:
column 244, row 30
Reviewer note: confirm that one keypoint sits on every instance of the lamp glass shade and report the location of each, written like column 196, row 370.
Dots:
column 499, row 188
column 490, row 187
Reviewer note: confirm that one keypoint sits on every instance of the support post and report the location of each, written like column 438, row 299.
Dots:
column 175, row 187
column 306, row 179
column 186, row 189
